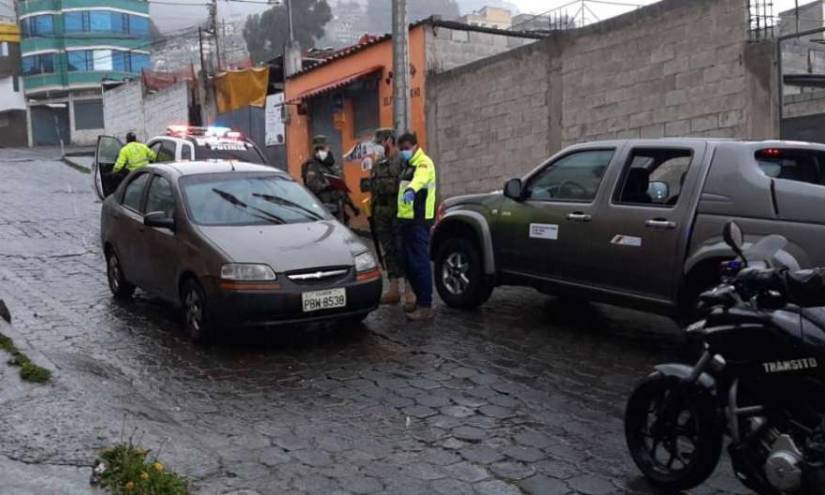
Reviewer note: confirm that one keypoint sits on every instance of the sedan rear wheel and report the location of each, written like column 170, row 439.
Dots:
column 118, row 284
column 195, row 312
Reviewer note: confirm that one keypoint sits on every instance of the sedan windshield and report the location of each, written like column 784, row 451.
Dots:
column 248, row 199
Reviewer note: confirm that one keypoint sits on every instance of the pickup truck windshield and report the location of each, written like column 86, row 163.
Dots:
column 248, row 199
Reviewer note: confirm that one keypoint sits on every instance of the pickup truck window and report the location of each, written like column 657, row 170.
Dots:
column 796, row 165
column 573, row 177
column 654, row 176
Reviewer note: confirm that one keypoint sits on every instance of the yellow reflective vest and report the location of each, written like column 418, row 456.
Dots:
column 133, row 155
column 420, row 177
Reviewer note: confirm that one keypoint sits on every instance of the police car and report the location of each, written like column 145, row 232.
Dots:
column 180, row 143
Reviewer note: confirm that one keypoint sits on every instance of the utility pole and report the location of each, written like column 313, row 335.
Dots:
column 400, row 67
column 213, row 27
column 204, row 81
column 292, row 50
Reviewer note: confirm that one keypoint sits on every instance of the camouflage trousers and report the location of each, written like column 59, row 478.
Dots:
column 388, row 233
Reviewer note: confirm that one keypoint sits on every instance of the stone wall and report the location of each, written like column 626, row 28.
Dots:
column 674, row 68
column 126, row 108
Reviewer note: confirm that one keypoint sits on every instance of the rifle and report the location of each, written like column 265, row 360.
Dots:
column 375, row 242
column 371, row 221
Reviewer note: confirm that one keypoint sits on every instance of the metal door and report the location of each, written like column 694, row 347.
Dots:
column 106, row 153
column 542, row 235
column 641, row 232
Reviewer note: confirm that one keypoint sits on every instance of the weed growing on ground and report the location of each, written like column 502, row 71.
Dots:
column 126, row 470
column 28, row 370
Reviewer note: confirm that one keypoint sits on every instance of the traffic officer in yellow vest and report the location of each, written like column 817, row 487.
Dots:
column 134, row 155
column 416, row 211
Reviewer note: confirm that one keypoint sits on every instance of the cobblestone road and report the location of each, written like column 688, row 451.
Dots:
column 525, row 395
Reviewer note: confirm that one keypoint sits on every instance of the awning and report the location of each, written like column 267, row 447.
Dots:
column 340, row 83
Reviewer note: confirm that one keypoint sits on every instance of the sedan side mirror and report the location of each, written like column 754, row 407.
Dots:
column 514, row 190
column 159, row 219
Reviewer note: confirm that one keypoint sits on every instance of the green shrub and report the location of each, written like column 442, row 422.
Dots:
column 125, row 470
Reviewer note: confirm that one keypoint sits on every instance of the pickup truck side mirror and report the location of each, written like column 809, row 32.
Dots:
column 159, row 219
column 514, row 190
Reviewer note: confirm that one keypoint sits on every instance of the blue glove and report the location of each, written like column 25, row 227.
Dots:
column 409, row 196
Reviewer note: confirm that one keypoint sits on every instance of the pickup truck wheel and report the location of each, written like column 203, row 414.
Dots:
column 459, row 274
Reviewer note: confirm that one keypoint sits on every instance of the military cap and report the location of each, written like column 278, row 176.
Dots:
column 382, row 134
column 319, row 140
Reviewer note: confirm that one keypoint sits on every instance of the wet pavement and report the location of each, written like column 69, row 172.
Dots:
column 525, row 395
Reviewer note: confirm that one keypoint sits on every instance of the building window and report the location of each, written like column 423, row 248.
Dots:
column 4, row 49
column 37, row 25
column 104, row 21
column 15, row 84
column 102, row 60
column 88, row 114
column 106, row 60
column 42, row 63
column 364, row 96
column 79, row 60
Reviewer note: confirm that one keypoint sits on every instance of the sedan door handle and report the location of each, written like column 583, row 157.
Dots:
column 660, row 223
column 578, row 216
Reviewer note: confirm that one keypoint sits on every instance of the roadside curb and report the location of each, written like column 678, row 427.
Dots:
column 68, row 160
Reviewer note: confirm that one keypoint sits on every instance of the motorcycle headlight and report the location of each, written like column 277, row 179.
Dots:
column 365, row 262
column 247, row 271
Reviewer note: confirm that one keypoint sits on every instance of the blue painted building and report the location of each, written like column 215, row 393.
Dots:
column 69, row 48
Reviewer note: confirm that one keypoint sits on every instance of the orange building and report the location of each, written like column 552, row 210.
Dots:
column 349, row 95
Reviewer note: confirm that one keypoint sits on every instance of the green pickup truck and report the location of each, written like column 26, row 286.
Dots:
column 636, row 223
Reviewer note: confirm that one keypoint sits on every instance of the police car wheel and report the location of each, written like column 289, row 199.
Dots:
column 195, row 313
column 459, row 274
column 118, row 284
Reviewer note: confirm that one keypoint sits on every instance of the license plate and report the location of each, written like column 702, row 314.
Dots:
column 324, row 299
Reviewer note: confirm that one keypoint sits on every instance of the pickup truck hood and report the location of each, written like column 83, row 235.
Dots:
column 469, row 199
column 287, row 247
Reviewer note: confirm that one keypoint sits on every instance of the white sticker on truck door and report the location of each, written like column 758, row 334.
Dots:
column 626, row 240
column 544, row 231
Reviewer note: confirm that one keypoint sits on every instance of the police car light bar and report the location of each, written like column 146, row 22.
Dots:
column 212, row 131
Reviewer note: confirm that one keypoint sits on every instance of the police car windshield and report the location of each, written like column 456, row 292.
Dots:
column 248, row 199
column 228, row 150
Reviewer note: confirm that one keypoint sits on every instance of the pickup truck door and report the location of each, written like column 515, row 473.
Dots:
column 539, row 236
column 641, row 232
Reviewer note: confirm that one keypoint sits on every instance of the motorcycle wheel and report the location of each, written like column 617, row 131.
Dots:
column 672, row 433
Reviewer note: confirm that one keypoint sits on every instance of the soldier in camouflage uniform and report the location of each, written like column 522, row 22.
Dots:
column 315, row 172
column 384, row 181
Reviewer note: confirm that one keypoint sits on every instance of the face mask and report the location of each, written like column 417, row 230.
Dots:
column 322, row 154
column 406, row 154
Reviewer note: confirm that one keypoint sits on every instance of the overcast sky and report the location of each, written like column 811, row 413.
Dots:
column 538, row 6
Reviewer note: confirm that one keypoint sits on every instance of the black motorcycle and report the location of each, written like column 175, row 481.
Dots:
column 760, row 381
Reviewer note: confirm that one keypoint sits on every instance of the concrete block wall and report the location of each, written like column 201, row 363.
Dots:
column 674, row 68
column 804, row 104
column 490, row 118
column 450, row 48
column 126, row 108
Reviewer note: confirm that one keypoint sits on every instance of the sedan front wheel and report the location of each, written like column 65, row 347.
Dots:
column 195, row 313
